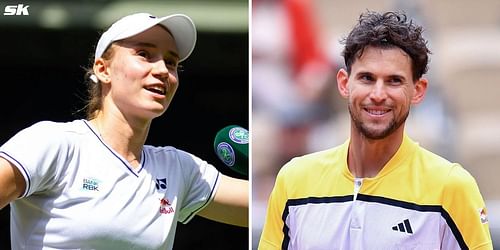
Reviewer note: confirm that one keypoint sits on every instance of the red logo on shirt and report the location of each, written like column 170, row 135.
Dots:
column 166, row 206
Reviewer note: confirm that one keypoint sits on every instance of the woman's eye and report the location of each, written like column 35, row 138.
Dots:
column 143, row 53
column 170, row 63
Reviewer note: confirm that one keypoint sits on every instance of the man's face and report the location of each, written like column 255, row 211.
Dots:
column 380, row 91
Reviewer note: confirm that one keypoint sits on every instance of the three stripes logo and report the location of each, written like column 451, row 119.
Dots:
column 404, row 227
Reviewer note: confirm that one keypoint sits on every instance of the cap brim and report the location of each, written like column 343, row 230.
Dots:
column 183, row 31
column 180, row 26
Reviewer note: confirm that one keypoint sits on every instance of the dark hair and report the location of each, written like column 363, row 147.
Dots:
column 94, row 90
column 390, row 29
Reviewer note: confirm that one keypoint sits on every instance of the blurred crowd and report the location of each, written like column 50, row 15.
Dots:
column 296, row 108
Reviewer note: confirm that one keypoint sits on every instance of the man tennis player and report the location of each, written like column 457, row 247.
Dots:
column 380, row 189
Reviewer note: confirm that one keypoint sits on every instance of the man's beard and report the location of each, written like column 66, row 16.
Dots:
column 377, row 134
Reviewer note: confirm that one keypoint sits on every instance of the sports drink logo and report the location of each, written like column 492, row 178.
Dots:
column 226, row 153
column 239, row 135
column 166, row 206
column 16, row 10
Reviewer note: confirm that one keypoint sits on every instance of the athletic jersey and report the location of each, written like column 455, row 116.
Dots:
column 417, row 201
column 81, row 194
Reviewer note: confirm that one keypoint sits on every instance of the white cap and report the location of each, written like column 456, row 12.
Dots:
column 180, row 26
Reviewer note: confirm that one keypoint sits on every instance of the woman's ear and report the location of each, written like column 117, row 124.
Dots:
column 342, row 83
column 420, row 90
column 101, row 70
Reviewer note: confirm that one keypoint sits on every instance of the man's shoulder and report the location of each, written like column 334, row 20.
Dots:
column 322, row 155
column 429, row 159
column 438, row 167
column 332, row 158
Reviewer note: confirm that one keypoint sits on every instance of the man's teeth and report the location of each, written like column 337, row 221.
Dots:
column 376, row 112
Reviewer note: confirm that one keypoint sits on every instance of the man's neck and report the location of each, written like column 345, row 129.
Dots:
column 367, row 157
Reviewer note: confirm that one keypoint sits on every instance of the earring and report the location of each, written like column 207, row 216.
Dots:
column 94, row 78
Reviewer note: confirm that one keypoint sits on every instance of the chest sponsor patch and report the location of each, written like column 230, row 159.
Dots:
column 90, row 184
column 166, row 206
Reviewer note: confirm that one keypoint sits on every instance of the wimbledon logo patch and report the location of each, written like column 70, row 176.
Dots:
column 226, row 153
column 239, row 135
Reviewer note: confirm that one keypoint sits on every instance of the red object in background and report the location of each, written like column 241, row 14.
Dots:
column 304, row 38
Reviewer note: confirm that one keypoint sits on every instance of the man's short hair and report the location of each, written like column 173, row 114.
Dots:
column 387, row 30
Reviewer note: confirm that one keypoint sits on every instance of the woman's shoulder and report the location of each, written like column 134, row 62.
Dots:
column 159, row 150
column 170, row 153
column 51, row 131
column 58, row 127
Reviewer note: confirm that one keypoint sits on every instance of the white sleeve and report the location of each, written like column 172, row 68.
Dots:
column 201, row 182
column 35, row 151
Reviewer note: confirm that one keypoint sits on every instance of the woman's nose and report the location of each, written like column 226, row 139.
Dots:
column 160, row 69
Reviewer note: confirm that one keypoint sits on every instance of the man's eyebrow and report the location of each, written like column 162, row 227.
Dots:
column 392, row 76
column 364, row 73
column 396, row 76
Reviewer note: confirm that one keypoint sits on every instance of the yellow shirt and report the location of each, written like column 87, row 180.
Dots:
column 417, row 201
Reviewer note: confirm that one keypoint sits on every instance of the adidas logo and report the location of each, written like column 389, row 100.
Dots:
column 404, row 227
